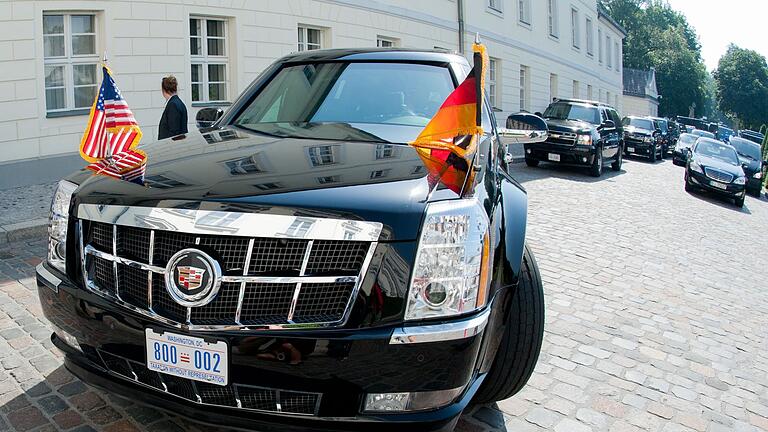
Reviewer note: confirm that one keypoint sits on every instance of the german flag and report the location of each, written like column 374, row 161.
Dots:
column 448, row 143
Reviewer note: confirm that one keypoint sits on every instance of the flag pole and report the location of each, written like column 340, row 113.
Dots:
column 109, row 147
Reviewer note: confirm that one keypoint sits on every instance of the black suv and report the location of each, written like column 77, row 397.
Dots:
column 641, row 137
column 298, row 265
column 581, row 133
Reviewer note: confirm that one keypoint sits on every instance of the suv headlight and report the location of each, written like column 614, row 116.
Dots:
column 450, row 274
column 740, row 181
column 758, row 175
column 696, row 167
column 648, row 139
column 584, row 140
column 57, row 228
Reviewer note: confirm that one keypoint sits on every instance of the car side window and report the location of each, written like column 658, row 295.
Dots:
column 615, row 117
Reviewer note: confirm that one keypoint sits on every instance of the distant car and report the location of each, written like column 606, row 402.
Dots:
column 689, row 129
column 714, row 166
column 664, row 137
column 755, row 137
column 674, row 134
column 703, row 134
column 581, row 133
column 752, row 163
column 640, row 137
column 724, row 134
column 682, row 148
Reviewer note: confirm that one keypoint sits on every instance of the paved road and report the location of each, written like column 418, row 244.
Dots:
column 657, row 318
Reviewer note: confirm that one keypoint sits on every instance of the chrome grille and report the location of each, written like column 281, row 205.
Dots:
column 233, row 395
column 562, row 138
column 267, row 282
column 718, row 175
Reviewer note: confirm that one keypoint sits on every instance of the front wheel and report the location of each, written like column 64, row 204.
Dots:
column 652, row 157
column 688, row 186
column 521, row 342
column 533, row 163
column 616, row 166
column 596, row 170
column 739, row 201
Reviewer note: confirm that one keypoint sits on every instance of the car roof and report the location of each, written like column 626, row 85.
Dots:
column 368, row 54
column 584, row 102
column 712, row 141
column 745, row 141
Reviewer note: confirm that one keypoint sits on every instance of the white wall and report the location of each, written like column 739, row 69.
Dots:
column 146, row 40
column 640, row 106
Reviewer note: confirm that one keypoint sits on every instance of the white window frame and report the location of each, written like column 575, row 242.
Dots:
column 496, row 6
column 575, row 30
column 387, row 42
column 204, row 60
column 609, row 63
column 69, row 60
column 322, row 155
column 576, row 89
column 590, row 29
column 554, row 87
column 553, row 21
column 600, row 55
column 494, row 97
column 524, row 12
column 525, row 79
column 590, row 92
column 302, row 38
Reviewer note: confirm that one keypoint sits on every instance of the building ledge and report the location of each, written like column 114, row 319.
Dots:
column 70, row 113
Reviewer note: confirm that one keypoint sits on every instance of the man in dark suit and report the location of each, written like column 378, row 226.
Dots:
column 174, row 119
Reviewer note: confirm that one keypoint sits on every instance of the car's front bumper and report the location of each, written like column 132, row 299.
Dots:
column 637, row 148
column 754, row 185
column 574, row 155
column 704, row 182
column 342, row 366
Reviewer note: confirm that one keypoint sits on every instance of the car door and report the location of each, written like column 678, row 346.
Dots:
column 607, row 136
column 619, row 133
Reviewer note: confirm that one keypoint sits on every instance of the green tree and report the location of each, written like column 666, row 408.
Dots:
column 742, row 86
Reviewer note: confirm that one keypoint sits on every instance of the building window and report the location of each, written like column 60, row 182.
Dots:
column 268, row 186
column 418, row 169
column 210, row 63
column 552, row 21
column 524, row 11
column 328, row 179
column 71, row 61
column 244, row 166
column 322, row 155
column 310, row 38
column 576, row 89
column 160, row 181
column 617, row 55
column 552, row 87
column 387, row 42
column 575, row 33
column 495, row 5
column 589, row 92
column 493, row 78
column 590, row 38
column 608, row 51
column 524, row 72
column 600, row 45
column 385, row 151
column 299, row 227
column 380, row 174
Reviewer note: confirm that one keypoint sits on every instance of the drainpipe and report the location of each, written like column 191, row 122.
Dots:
column 460, row 5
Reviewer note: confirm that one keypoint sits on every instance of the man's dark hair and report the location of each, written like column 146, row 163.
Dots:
column 170, row 84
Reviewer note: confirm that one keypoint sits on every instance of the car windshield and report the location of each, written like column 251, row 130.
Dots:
column 688, row 139
column 746, row 148
column 717, row 150
column 704, row 134
column 566, row 111
column 360, row 101
column 662, row 125
column 638, row 123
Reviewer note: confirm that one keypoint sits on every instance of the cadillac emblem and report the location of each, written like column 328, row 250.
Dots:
column 192, row 278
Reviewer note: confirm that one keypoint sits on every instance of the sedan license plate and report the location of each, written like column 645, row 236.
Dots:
column 719, row 185
column 554, row 157
column 631, row 149
column 187, row 357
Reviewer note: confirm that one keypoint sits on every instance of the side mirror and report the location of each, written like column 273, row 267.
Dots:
column 745, row 166
column 524, row 128
column 206, row 117
column 608, row 124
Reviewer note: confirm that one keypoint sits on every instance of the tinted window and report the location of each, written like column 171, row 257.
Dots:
column 688, row 139
column 615, row 117
column 566, row 111
column 335, row 100
column 702, row 133
column 638, row 123
column 717, row 150
column 746, row 148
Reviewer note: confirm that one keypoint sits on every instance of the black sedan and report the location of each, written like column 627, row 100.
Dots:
column 682, row 148
column 642, row 138
column 751, row 162
column 714, row 166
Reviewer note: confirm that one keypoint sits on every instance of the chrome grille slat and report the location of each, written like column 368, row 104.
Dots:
column 257, row 292
column 717, row 175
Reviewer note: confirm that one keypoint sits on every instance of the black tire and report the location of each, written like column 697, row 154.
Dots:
column 739, row 202
column 616, row 166
column 688, row 186
column 596, row 170
column 663, row 154
column 533, row 163
column 521, row 343
column 652, row 156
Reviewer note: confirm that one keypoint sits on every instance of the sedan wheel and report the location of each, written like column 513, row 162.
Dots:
column 597, row 166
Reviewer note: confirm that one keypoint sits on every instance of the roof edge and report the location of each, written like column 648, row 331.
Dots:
column 602, row 12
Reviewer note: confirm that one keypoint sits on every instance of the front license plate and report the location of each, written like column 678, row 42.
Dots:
column 187, row 357
column 554, row 157
column 719, row 185
column 631, row 149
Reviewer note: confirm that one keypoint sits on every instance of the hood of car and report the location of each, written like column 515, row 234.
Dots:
column 572, row 126
column 634, row 130
column 231, row 170
column 752, row 166
column 710, row 162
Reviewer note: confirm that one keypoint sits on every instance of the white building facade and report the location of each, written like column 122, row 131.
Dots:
column 50, row 51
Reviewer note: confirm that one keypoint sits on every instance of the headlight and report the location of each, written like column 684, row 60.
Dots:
column 740, row 181
column 450, row 275
column 584, row 140
column 57, row 229
column 648, row 139
column 758, row 175
column 696, row 167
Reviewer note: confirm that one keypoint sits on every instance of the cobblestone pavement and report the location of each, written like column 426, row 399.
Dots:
column 657, row 318
column 25, row 203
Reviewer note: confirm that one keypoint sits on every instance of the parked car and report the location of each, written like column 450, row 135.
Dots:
column 297, row 266
column 641, row 137
column 689, row 129
column 674, row 134
column 714, row 166
column 724, row 133
column 581, row 133
column 683, row 148
column 703, row 134
column 755, row 137
column 664, row 137
column 752, row 163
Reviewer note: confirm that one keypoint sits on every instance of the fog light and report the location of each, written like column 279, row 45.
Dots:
column 584, row 160
column 528, row 151
column 415, row 401
column 68, row 339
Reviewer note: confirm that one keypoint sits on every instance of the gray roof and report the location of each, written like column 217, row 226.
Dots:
column 640, row 83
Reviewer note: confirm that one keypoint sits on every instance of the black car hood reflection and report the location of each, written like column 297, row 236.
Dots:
column 233, row 170
column 573, row 126
column 714, row 163
column 751, row 166
column 634, row 130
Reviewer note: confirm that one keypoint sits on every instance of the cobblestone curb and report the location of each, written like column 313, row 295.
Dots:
column 31, row 229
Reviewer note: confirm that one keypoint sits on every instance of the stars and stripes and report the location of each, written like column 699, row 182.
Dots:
column 112, row 135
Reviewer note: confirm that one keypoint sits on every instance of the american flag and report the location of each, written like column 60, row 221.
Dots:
column 112, row 135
